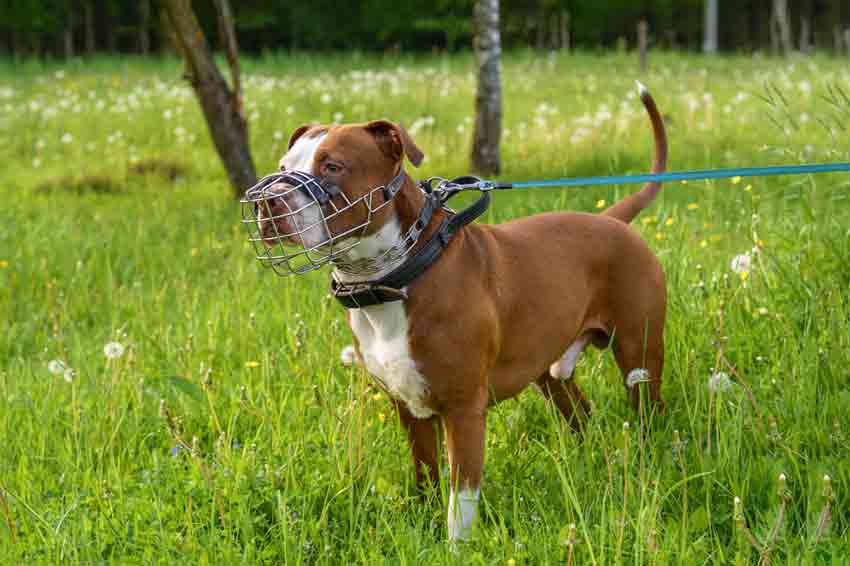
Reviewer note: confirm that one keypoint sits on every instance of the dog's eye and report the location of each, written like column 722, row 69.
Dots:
column 333, row 168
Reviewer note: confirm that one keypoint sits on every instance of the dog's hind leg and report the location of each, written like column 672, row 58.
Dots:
column 639, row 351
column 559, row 386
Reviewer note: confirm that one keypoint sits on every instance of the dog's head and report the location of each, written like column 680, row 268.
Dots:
column 331, row 190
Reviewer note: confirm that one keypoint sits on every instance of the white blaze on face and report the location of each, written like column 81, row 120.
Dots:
column 300, row 157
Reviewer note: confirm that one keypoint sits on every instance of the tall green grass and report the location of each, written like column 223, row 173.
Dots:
column 228, row 432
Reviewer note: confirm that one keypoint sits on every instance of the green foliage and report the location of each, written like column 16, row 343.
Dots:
column 420, row 25
column 279, row 455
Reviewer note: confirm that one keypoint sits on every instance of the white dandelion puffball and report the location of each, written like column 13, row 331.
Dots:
column 719, row 381
column 56, row 367
column 113, row 350
column 742, row 263
column 69, row 374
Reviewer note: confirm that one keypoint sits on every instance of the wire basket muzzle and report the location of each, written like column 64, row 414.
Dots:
column 295, row 221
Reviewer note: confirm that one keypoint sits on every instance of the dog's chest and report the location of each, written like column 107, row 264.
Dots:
column 382, row 338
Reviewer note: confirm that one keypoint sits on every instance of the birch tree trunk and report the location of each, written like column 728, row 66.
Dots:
column 780, row 27
column 488, row 98
column 709, row 44
column 221, row 106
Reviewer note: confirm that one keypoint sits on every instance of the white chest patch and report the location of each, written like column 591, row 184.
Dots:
column 381, row 332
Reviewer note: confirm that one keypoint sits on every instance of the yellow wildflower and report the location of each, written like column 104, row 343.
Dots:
column 382, row 417
column 195, row 252
column 736, row 180
column 377, row 397
column 252, row 364
column 669, row 222
column 748, row 188
column 693, row 206
column 3, row 264
column 600, row 203
column 659, row 236
column 703, row 244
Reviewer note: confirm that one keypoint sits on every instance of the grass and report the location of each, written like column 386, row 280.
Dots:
column 228, row 432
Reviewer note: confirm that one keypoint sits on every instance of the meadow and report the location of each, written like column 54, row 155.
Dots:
column 163, row 399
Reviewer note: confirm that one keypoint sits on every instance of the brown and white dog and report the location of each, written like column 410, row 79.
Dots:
column 505, row 306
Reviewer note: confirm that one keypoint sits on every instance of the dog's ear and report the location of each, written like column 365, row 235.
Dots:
column 298, row 133
column 395, row 141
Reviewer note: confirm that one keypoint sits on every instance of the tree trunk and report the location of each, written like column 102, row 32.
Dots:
column 780, row 27
column 710, row 43
column 220, row 105
column 488, row 99
column 88, row 16
column 144, row 26
column 805, row 35
column 540, row 29
column 68, row 31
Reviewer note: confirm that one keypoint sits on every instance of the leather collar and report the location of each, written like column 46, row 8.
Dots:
column 391, row 286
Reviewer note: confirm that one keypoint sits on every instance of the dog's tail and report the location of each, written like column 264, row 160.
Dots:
column 630, row 206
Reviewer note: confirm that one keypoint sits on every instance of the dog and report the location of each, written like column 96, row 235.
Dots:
column 502, row 307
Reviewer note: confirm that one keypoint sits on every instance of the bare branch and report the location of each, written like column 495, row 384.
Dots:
column 227, row 36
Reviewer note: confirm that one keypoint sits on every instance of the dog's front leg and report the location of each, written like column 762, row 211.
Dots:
column 423, row 435
column 465, row 440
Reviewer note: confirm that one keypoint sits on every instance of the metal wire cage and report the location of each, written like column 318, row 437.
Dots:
column 295, row 225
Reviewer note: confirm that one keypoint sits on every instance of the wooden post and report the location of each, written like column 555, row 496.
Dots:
column 88, row 16
column 144, row 26
column 565, row 30
column 488, row 98
column 68, row 31
column 709, row 44
column 643, row 42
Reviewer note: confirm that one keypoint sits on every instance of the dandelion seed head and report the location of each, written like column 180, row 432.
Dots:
column 719, row 381
column 113, row 350
column 741, row 263
column 56, row 367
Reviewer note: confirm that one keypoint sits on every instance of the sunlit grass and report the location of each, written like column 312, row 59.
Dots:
column 228, row 432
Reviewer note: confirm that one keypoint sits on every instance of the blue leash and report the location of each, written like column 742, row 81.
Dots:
column 664, row 177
